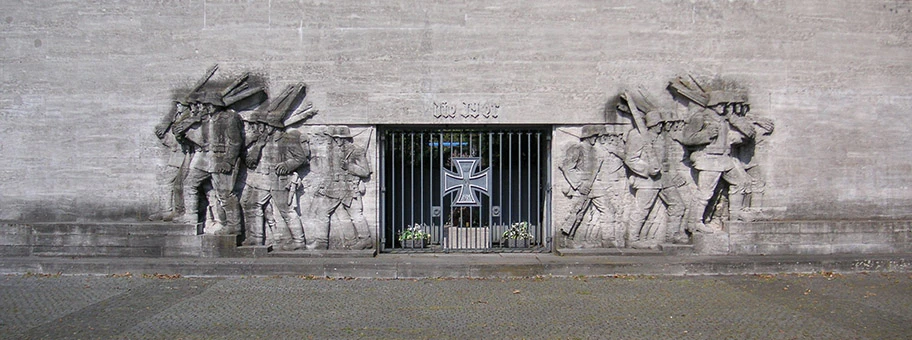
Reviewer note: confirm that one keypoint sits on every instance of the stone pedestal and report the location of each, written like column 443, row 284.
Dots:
column 711, row 244
column 468, row 238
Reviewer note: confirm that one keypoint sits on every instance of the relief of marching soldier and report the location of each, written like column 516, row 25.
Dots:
column 273, row 153
column 336, row 186
column 648, row 156
column 216, row 133
column 721, row 134
column 594, row 170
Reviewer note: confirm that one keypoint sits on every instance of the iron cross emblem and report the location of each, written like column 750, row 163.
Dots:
column 466, row 182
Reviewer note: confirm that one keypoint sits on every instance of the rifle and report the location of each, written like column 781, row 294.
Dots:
column 201, row 82
column 638, row 120
column 584, row 206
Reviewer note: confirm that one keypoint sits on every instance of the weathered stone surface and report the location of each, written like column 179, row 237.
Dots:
column 82, row 86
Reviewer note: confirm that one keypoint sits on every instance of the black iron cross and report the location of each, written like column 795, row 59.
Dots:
column 466, row 182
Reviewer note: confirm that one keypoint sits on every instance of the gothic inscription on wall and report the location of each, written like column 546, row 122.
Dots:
column 465, row 110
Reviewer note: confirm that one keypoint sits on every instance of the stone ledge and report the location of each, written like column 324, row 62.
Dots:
column 386, row 266
column 606, row 252
column 324, row 253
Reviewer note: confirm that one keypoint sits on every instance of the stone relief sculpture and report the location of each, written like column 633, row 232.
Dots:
column 229, row 142
column 216, row 134
column 594, row 169
column 272, row 156
column 651, row 175
column 337, row 187
column 719, row 131
column 700, row 165
column 181, row 150
column 178, row 162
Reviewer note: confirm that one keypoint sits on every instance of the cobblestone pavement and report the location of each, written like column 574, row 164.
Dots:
column 786, row 306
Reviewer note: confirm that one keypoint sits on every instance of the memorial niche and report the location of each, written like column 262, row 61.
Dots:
column 690, row 167
column 239, row 158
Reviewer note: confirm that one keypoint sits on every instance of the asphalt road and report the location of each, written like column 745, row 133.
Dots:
column 787, row 306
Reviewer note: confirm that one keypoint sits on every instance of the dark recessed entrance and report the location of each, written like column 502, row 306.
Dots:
column 465, row 189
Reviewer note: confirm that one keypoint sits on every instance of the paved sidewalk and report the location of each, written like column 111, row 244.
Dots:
column 785, row 306
column 405, row 266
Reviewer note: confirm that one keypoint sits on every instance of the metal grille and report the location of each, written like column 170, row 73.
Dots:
column 463, row 188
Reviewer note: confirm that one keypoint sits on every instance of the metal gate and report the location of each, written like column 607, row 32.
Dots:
column 465, row 189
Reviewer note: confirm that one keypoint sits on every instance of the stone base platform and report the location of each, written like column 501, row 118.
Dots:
column 814, row 237
column 140, row 239
column 99, row 239
column 324, row 253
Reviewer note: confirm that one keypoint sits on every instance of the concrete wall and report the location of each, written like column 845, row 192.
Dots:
column 83, row 83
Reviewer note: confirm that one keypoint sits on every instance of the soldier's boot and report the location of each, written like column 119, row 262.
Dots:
column 297, row 240
column 694, row 219
column 363, row 243
column 680, row 238
column 736, row 208
column 317, row 245
column 174, row 214
column 253, row 240
column 232, row 209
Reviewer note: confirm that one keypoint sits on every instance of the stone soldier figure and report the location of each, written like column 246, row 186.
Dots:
column 713, row 131
column 339, row 188
column 178, row 163
column 594, row 169
column 217, row 135
column 273, row 154
column 651, row 177
column 745, row 153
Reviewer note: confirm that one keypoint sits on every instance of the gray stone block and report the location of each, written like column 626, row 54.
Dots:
column 778, row 238
column 676, row 249
column 711, row 244
column 96, row 251
column 15, row 250
column 815, row 227
column 885, row 237
column 816, row 238
column 80, row 240
column 324, row 253
column 171, row 241
column 744, row 249
column 181, row 252
column 803, row 249
column 15, row 235
column 848, row 238
column 216, row 245
column 606, row 252
column 743, row 238
column 863, row 226
column 863, row 249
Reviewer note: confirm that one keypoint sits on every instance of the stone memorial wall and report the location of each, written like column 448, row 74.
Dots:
column 91, row 96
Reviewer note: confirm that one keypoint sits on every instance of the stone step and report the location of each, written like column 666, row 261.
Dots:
column 130, row 239
column 323, row 253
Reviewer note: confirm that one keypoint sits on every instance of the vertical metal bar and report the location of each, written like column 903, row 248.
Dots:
column 510, row 179
column 402, row 180
column 546, row 240
column 381, row 207
column 422, row 186
column 500, row 194
column 470, row 209
column 491, row 194
column 538, row 165
column 392, row 227
column 440, row 179
column 411, row 198
column 529, row 178
column 461, row 216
